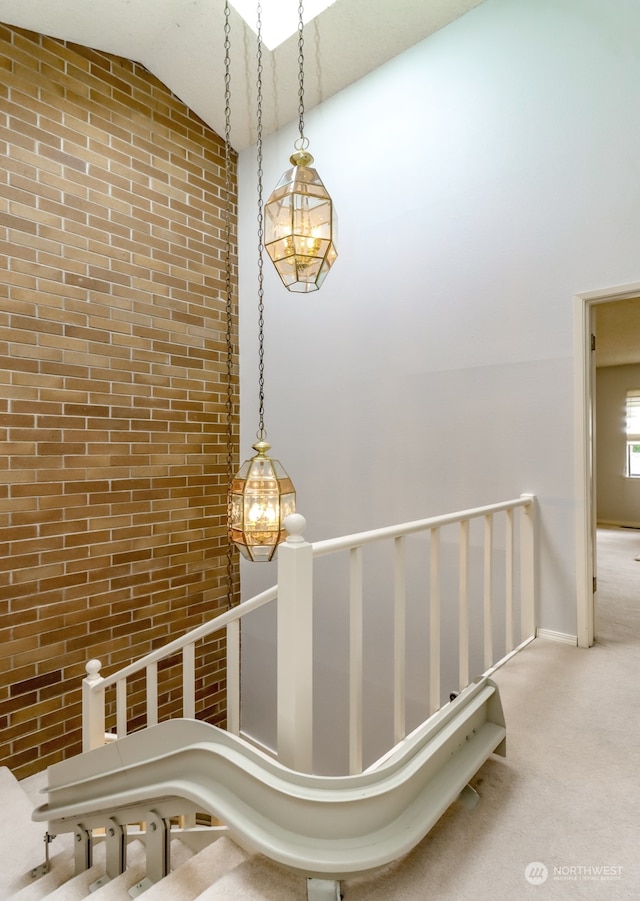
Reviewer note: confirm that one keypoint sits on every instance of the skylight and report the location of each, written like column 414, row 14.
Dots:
column 277, row 23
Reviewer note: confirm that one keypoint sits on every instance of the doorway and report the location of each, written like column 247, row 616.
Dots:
column 586, row 494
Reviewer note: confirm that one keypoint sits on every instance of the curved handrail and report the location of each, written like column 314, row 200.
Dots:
column 325, row 826
column 178, row 644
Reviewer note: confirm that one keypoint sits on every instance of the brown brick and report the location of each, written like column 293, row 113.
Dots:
column 29, row 685
column 112, row 362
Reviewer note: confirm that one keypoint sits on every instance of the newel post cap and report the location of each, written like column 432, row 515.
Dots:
column 295, row 524
column 93, row 668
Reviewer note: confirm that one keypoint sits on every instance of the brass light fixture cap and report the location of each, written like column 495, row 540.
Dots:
column 261, row 447
column 301, row 158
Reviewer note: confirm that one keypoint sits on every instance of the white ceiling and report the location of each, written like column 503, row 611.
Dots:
column 181, row 43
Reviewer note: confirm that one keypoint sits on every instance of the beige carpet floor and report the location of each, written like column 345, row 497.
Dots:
column 567, row 796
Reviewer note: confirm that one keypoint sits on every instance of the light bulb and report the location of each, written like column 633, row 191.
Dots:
column 261, row 514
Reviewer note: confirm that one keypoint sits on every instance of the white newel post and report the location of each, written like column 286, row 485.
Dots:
column 295, row 648
column 93, row 717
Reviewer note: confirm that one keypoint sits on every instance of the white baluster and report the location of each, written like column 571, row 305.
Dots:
column 434, row 623
column 121, row 708
column 508, row 553
column 189, row 681
column 488, row 613
column 463, row 607
column 400, row 641
column 356, row 659
column 233, row 677
column 152, row 694
column 527, row 568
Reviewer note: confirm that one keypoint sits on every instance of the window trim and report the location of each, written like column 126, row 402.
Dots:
column 632, row 429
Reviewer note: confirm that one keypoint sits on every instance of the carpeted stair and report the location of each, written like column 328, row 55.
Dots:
column 220, row 871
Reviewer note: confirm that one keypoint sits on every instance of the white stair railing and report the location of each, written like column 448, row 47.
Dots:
column 95, row 686
column 433, row 527
column 294, row 596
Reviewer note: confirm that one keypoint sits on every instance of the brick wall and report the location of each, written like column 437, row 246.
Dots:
column 112, row 386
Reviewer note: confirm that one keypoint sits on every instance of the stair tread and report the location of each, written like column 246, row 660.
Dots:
column 77, row 888
column 23, row 848
column 61, row 872
column 188, row 881
column 222, row 871
column 61, row 856
column 257, row 879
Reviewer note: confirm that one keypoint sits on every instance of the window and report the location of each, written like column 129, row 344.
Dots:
column 276, row 27
column 633, row 433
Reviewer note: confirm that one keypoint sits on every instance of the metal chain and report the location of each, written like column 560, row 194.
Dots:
column 228, row 289
column 261, row 431
column 302, row 141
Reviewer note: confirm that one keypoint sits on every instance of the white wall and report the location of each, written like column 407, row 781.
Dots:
column 482, row 179
column 618, row 498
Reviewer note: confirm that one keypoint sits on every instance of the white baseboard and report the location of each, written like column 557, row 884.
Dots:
column 562, row 637
column 617, row 524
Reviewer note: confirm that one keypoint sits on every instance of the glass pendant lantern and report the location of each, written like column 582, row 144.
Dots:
column 300, row 221
column 300, row 227
column 262, row 495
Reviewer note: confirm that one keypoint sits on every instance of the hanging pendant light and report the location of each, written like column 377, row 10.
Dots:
column 261, row 494
column 300, row 219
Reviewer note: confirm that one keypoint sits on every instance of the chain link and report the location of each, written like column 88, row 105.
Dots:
column 301, row 73
column 228, row 290
column 261, row 430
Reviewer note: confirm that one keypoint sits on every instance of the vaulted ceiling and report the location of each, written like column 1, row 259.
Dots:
column 181, row 43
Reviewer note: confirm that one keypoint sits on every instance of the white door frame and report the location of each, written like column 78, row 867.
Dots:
column 585, row 451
